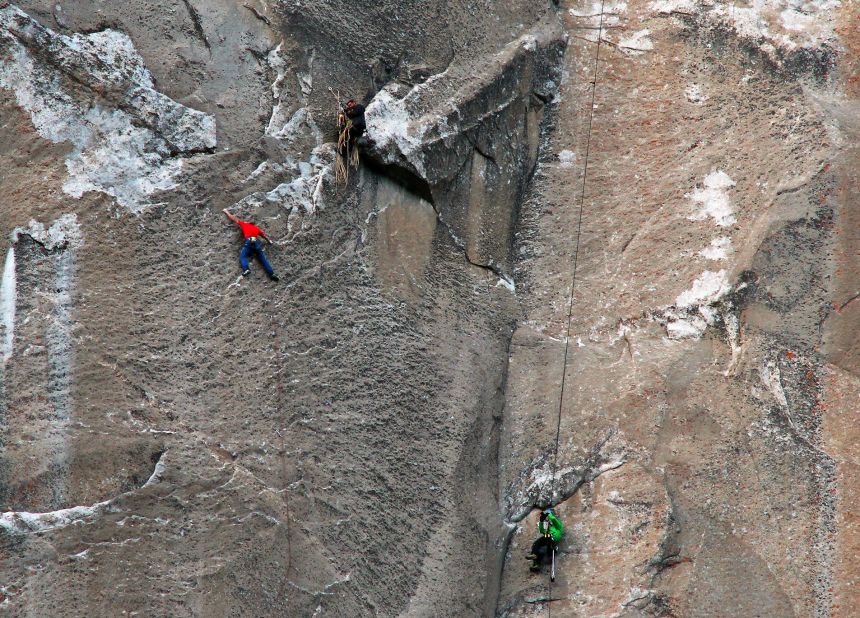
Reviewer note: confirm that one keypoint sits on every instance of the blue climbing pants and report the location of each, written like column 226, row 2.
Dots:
column 251, row 247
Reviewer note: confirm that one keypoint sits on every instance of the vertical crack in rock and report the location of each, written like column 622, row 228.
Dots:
column 198, row 24
column 94, row 91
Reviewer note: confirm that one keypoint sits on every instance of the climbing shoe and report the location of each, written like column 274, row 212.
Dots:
column 274, row 277
column 535, row 567
column 245, row 273
column 532, row 557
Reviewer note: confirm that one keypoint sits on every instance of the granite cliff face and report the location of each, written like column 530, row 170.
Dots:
column 597, row 255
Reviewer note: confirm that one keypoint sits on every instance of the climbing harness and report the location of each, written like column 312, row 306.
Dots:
column 573, row 286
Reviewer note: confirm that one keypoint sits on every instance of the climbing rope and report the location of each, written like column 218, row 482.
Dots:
column 347, row 155
column 341, row 167
column 573, row 277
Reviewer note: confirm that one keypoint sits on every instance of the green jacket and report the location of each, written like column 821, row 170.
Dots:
column 555, row 527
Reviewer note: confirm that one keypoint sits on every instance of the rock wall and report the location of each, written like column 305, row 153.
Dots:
column 209, row 444
column 694, row 464
column 647, row 202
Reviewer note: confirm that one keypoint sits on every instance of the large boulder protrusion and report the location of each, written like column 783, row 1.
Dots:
column 470, row 142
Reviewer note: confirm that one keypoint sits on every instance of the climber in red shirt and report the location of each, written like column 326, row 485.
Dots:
column 252, row 246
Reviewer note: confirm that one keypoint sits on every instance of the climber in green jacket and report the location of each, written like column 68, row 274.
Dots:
column 551, row 530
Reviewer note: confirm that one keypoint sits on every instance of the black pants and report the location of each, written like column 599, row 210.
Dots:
column 542, row 548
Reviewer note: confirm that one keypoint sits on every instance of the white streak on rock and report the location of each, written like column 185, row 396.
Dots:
column 694, row 94
column 772, row 380
column 719, row 249
column 507, row 283
column 611, row 12
column 64, row 232
column 775, row 27
column 113, row 159
column 277, row 119
column 284, row 125
column 125, row 135
column 59, row 340
column 301, row 194
column 664, row 7
column 686, row 328
column 566, row 158
column 713, row 199
column 298, row 132
column 63, row 238
column 393, row 128
column 24, row 522
column 300, row 124
column 8, row 300
column 708, row 288
column 637, row 43
column 157, row 473
column 542, row 477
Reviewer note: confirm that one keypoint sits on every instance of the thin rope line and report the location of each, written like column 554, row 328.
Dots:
column 573, row 277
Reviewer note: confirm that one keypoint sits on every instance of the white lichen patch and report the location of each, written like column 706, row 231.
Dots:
column 595, row 21
column 508, row 284
column 63, row 238
column 279, row 116
column 157, row 473
column 301, row 195
column 285, row 125
column 694, row 94
column 708, row 288
column 544, row 478
column 719, row 249
column 64, row 232
column 691, row 327
column 393, row 127
column 612, row 12
column 300, row 125
column 666, row 7
column 406, row 123
column 691, row 322
column 95, row 92
column 694, row 309
column 775, row 27
column 713, row 199
column 637, row 43
column 566, row 158
column 297, row 131
column 772, row 381
column 23, row 522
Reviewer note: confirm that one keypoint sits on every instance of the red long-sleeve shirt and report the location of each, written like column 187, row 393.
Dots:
column 249, row 229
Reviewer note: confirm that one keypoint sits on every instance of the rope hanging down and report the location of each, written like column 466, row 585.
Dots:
column 347, row 153
column 573, row 277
